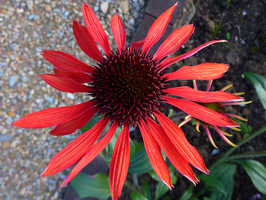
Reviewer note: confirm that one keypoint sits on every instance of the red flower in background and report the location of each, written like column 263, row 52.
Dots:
column 127, row 87
column 216, row 101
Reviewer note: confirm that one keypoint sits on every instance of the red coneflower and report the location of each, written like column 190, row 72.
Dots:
column 127, row 87
column 216, row 101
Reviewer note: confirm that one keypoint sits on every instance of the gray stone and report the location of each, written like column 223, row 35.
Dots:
column 70, row 96
column 30, row 4
column 50, row 99
column 13, row 80
column 5, row 138
column 31, row 17
column 66, row 13
column 124, row 6
column 25, row 79
column 1, row 72
column 157, row 7
column 104, row 7
column 131, row 21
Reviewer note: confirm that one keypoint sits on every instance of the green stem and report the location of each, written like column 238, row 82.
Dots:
column 247, row 155
column 243, row 141
column 130, row 186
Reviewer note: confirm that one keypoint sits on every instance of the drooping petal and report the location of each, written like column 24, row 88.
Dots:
column 172, row 153
column 202, row 96
column 201, row 112
column 174, row 41
column 137, row 44
column 74, row 151
column 221, row 133
column 209, row 136
column 166, row 63
column 119, row 32
column 157, row 29
column 64, row 84
column 95, row 28
column 72, row 125
column 179, row 140
column 91, row 154
column 119, row 163
column 79, row 77
column 65, row 61
column 155, row 156
column 86, row 41
column 204, row 71
column 52, row 116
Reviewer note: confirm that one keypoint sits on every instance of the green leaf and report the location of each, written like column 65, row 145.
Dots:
column 259, row 82
column 111, row 145
column 257, row 173
column 188, row 193
column 97, row 186
column 225, row 174
column 161, row 189
column 146, row 190
column 135, row 147
column 137, row 196
column 212, row 183
column 139, row 163
column 246, row 129
column 90, row 123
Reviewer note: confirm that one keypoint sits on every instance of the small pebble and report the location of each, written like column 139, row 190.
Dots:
column 104, row 7
column 13, row 80
column 70, row 96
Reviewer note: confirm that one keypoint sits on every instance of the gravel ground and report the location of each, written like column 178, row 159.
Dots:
column 27, row 28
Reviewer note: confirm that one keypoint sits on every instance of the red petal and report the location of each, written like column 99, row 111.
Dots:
column 178, row 161
column 74, row 124
column 52, row 116
column 119, row 163
column 64, row 84
column 119, row 32
column 138, row 44
column 79, row 77
column 86, row 41
column 75, row 150
column 166, row 63
column 204, row 71
column 202, row 96
column 201, row 112
column 65, row 61
column 91, row 154
column 179, row 140
column 155, row 156
column 174, row 41
column 157, row 29
column 95, row 28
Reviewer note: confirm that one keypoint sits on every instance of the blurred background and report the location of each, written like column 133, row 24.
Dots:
column 30, row 26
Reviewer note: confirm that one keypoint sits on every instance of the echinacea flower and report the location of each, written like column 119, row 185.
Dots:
column 216, row 102
column 127, row 87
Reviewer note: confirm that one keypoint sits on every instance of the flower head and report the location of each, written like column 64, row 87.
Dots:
column 216, row 102
column 127, row 87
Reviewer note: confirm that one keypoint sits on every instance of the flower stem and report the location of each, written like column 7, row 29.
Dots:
column 247, row 155
column 132, row 187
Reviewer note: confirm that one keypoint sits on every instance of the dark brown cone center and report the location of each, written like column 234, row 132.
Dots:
column 127, row 86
